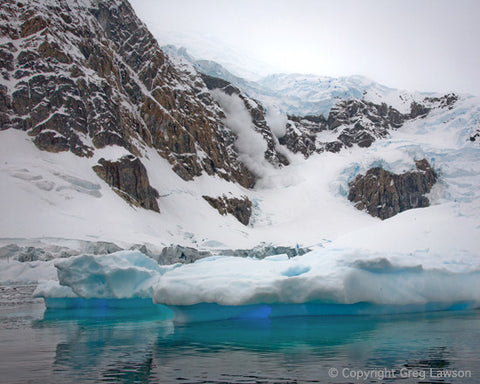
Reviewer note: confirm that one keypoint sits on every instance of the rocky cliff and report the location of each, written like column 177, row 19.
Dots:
column 384, row 194
column 353, row 122
column 83, row 75
column 240, row 208
column 128, row 178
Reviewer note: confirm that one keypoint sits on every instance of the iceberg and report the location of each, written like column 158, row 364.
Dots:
column 119, row 281
column 321, row 282
column 116, row 276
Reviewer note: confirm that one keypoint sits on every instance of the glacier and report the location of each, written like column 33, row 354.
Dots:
column 321, row 282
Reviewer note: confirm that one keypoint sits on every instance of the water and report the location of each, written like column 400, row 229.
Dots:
column 38, row 346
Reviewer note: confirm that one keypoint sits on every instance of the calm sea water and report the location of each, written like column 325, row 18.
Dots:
column 38, row 346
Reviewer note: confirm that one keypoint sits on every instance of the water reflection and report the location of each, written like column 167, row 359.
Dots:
column 302, row 349
column 112, row 347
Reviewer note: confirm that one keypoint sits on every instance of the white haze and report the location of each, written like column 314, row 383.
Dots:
column 421, row 45
column 249, row 143
column 276, row 120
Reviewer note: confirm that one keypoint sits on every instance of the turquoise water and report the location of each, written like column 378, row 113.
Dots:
column 127, row 346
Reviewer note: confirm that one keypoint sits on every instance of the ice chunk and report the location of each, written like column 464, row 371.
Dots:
column 13, row 271
column 61, row 297
column 120, row 275
column 52, row 288
column 327, row 281
column 323, row 276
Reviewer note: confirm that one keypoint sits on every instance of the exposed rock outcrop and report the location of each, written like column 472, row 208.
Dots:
column 384, row 194
column 85, row 75
column 350, row 122
column 353, row 122
column 241, row 209
column 128, row 178
column 475, row 136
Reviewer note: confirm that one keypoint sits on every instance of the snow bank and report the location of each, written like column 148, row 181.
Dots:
column 324, row 281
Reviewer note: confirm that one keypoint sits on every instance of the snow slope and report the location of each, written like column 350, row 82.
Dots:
column 59, row 195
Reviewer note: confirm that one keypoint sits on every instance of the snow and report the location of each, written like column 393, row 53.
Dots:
column 72, row 202
column 250, row 144
column 60, row 196
column 302, row 94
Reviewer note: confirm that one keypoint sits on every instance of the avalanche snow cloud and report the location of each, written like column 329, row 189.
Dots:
column 250, row 144
column 320, row 282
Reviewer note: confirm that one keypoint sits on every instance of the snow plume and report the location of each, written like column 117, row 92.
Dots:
column 250, row 144
column 277, row 121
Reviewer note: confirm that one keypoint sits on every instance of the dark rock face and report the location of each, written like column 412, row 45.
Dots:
column 301, row 133
column 384, row 194
column 350, row 122
column 128, row 178
column 446, row 101
column 80, row 77
column 241, row 209
column 418, row 110
column 353, row 122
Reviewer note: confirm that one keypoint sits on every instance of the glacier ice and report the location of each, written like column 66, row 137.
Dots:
column 321, row 282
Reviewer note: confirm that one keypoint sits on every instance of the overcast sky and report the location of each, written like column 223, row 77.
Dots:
column 426, row 45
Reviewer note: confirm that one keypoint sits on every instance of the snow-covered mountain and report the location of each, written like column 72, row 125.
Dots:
column 304, row 94
column 108, row 139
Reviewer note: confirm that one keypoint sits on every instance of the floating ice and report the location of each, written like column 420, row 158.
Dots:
column 322, row 282
column 316, row 284
column 120, row 275
column 326, row 276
